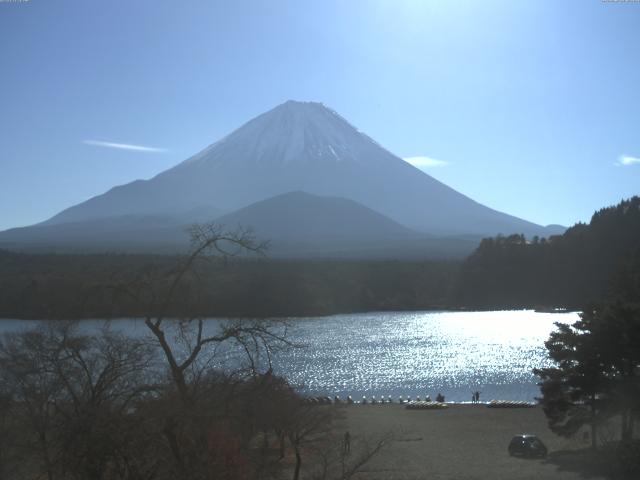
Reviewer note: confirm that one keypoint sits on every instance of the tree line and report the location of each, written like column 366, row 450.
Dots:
column 504, row 272
column 565, row 271
column 81, row 286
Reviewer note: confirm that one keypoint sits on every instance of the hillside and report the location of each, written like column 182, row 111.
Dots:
column 587, row 263
column 294, row 224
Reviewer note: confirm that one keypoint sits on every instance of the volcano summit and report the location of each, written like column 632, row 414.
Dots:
column 301, row 147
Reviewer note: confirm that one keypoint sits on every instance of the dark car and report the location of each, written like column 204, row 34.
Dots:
column 527, row 446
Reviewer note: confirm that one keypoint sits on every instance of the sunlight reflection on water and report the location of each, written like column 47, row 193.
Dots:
column 407, row 353
column 419, row 353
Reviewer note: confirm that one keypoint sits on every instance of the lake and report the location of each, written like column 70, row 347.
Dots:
column 407, row 353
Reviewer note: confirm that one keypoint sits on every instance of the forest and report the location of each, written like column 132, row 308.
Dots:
column 586, row 264
column 86, row 286
column 566, row 271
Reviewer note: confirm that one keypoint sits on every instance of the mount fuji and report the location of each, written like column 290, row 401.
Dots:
column 301, row 147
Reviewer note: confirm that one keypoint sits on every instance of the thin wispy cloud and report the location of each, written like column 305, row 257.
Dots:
column 425, row 162
column 124, row 146
column 626, row 160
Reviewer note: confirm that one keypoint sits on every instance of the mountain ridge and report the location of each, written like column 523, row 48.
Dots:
column 298, row 147
column 303, row 146
column 296, row 225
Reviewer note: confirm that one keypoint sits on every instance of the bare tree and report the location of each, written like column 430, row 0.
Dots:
column 172, row 301
column 161, row 290
column 361, row 453
column 72, row 396
column 313, row 429
column 34, row 389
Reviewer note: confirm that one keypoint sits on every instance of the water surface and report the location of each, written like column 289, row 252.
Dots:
column 407, row 353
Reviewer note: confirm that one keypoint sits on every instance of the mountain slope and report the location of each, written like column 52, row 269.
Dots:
column 302, row 215
column 295, row 224
column 302, row 146
column 301, row 224
column 130, row 233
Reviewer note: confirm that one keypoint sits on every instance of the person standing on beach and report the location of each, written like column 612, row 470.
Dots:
column 347, row 442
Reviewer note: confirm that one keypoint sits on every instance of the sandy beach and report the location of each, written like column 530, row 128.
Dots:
column 462, row 442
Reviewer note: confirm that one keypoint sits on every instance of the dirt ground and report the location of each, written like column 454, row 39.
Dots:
column 463, row 442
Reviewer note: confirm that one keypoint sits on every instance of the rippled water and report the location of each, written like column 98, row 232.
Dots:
column 421, row 353
column 411, row 353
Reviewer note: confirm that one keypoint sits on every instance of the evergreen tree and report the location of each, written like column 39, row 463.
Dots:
column 571, row 390
column 617, row 329
column 597, row 372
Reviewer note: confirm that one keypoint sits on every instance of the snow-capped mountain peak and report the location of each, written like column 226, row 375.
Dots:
column 306, row 147
column 294, row 131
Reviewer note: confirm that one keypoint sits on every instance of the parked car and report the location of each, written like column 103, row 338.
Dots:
column 527, row 445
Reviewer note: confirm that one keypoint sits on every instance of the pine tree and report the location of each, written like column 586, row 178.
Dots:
column 597, row 372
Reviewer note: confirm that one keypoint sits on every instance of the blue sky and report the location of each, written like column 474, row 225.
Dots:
column 530, row 107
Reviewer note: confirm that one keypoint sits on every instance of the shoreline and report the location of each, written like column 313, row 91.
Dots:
column 382, row 402
column 319, row 316
column 463, row 441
